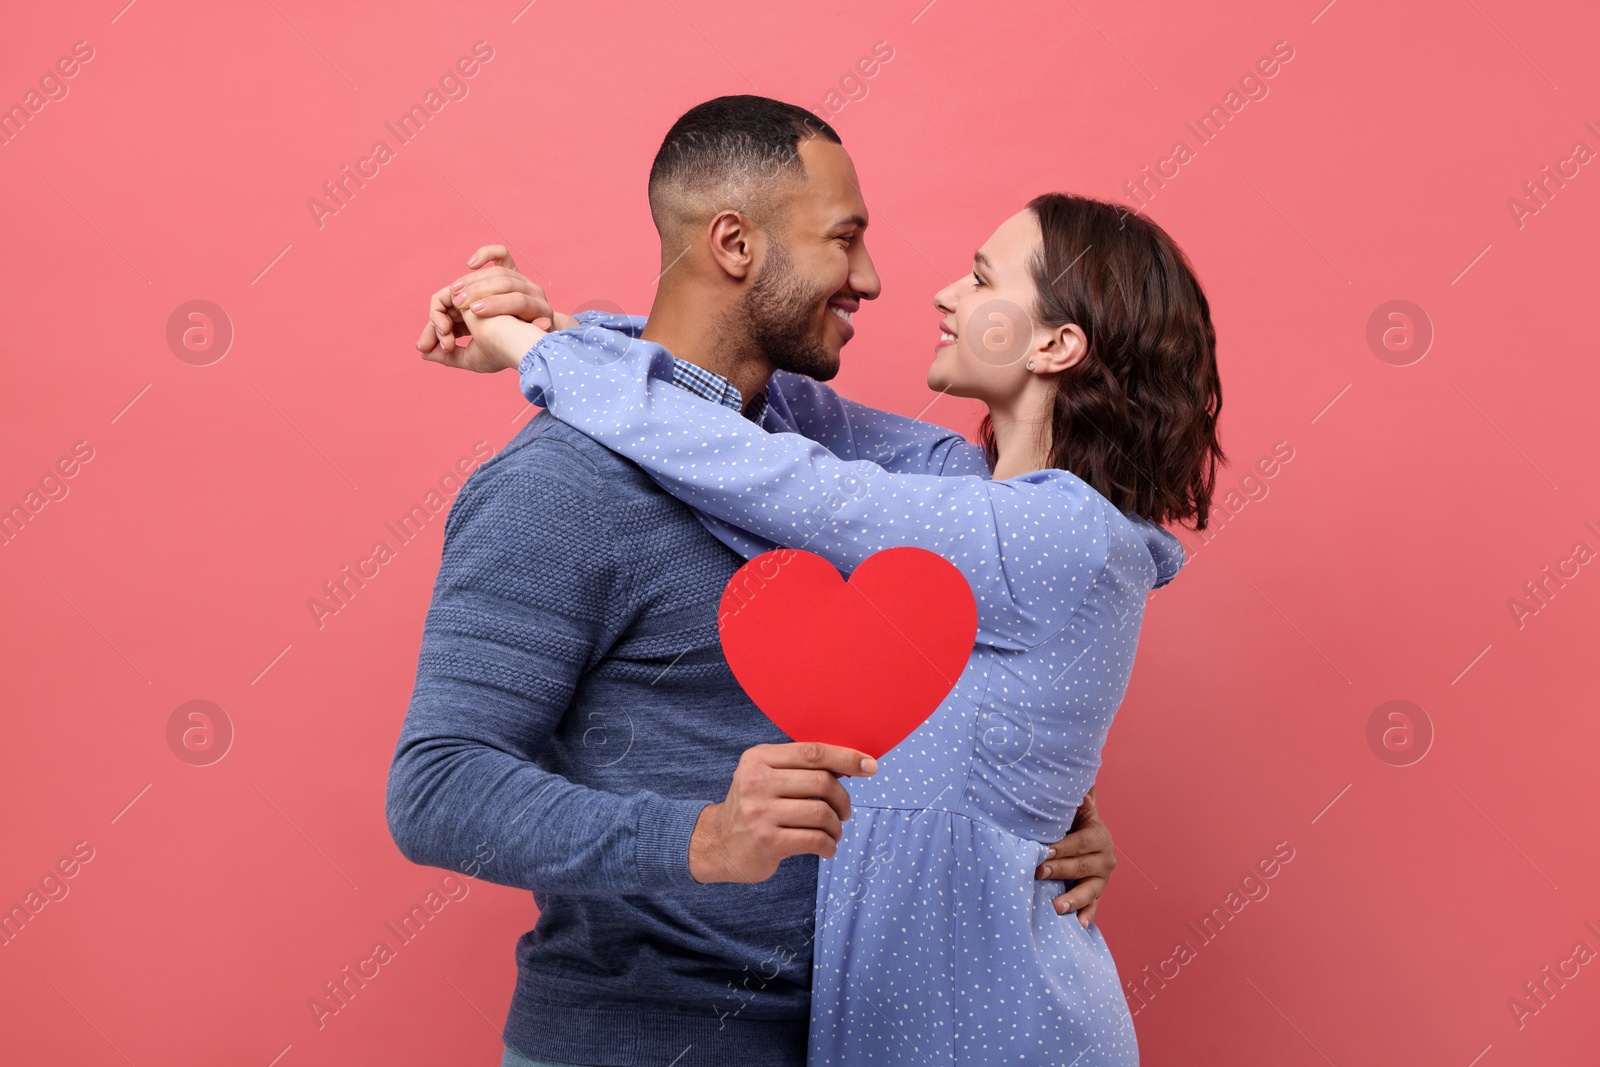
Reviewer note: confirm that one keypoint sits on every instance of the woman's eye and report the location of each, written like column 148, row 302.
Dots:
column 976, row 280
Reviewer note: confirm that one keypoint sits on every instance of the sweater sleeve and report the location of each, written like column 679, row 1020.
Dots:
column 785, row 490
column 528, row 596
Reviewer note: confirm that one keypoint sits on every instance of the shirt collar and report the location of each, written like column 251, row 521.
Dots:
column 709, row 385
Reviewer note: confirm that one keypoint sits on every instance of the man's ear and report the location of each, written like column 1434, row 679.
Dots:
column 733, row 243
column 1064, row 347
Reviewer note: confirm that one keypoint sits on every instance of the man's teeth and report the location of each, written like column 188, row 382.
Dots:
column 841, row 312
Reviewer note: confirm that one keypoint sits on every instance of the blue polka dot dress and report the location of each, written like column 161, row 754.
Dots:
column 934, row 942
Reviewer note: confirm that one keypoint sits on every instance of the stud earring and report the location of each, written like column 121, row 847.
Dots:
column 1030, row 364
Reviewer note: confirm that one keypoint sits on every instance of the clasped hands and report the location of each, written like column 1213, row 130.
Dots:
column 486, row 320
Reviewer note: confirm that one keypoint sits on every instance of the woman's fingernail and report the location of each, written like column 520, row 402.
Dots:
column 478, row 306
column 455, row 286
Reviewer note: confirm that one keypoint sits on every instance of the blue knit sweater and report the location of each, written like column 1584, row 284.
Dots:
column 572, row 715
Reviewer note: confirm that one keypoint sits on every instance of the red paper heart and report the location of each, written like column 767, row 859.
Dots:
column 861, row 663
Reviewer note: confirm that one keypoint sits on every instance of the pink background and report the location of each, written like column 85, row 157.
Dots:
column 1378, row 564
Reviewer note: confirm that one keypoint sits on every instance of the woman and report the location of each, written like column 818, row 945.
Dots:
column 934, row 941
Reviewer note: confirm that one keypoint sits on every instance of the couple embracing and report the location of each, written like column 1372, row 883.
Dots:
column 711, row 892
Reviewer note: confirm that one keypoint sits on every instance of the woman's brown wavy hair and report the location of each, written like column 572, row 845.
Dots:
column 1136, row 418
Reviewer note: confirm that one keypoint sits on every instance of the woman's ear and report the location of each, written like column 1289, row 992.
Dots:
column 732, row 240
column 1064, row 347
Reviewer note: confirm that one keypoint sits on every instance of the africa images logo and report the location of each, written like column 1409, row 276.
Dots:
column 452, row 85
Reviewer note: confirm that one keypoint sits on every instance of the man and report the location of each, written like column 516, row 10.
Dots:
column 574, row 722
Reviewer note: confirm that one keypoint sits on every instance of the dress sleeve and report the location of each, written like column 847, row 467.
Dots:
column 848, row 429
column 783, row 489
column 851, row 430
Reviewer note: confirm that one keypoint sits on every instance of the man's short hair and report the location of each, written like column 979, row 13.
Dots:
column 730, row 152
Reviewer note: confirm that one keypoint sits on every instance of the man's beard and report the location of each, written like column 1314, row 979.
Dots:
column 777, row 315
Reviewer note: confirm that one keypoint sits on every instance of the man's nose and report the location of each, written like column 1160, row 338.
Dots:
column 864, row 279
